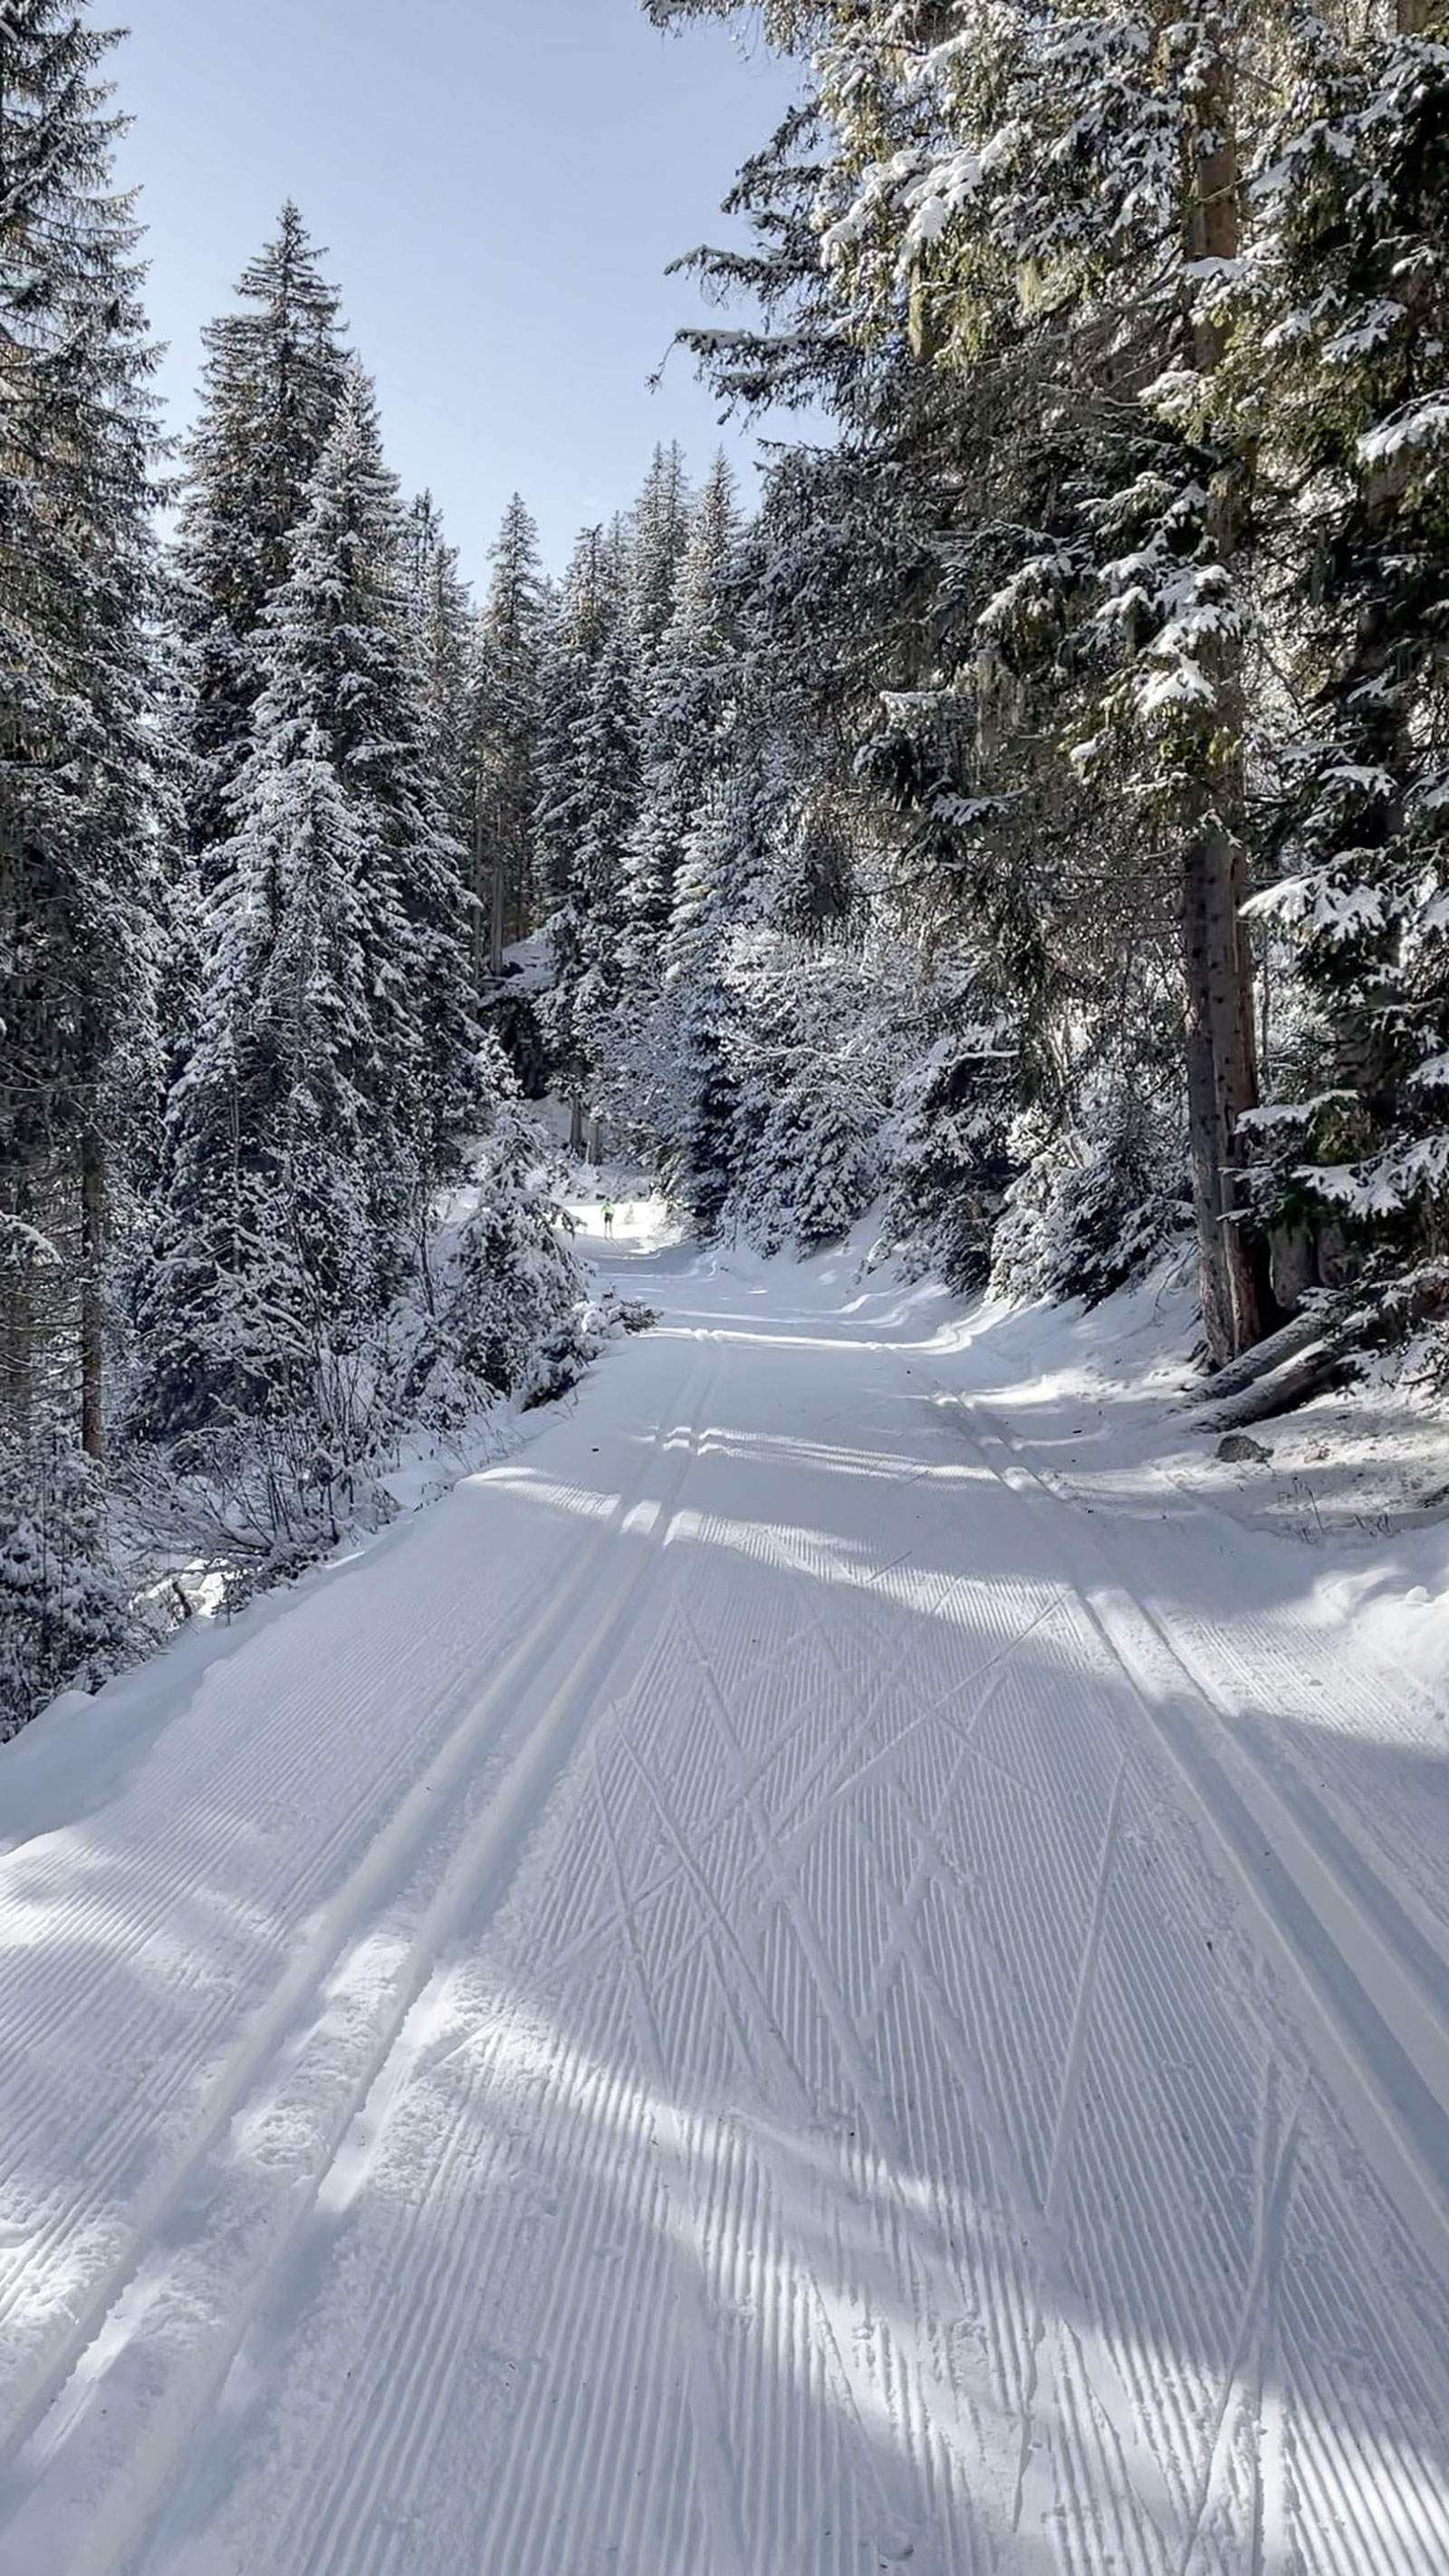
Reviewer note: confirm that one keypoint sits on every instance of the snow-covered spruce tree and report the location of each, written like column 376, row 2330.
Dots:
column 1040, row 207
column 658, row 535
column 685, row 751
column 589, row 812
column 82, row 791
column 1337, row 360
column 812, row 1075
column 688, row 1097
column 65, row 1619
column 342, row 660
column 282, row 1234
column 444, row 652
column 333, row 1075
column 505, row 725
column 511, row 1304
column 945, row 1145
column 609, row 759
column 270, row 388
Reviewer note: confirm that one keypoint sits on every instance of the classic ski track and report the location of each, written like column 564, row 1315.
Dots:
column 892, row 2162
column 1379, row 1988
column 776, row 2159
column 1430, row 2531
column 1334, row 1811
column 413, row 1830
column 797, row 1822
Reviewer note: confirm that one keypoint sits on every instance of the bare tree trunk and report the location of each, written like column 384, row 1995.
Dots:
column 481, row 890
column 93, row 1238
column 1222, row 1071
column 497, row 890
column 1221, row 1081
column 17, row 1347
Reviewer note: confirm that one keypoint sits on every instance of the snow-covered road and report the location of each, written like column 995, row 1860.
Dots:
column 754, row 1994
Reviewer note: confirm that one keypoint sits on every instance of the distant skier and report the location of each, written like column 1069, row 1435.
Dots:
column 608, row 1218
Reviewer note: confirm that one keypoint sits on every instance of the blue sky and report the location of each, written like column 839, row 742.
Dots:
column 498, row 184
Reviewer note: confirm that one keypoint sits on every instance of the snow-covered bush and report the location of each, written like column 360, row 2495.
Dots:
column 946, row 1141
column 64, row 1618
column 509, row 1315
column 814, row 1170
column 810, row 1047
column 1092, row 1207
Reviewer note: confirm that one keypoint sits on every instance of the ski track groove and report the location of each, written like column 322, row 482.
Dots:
column 307, row 1976
column 854, row 2119
column 220, row 2077
column 410, row 2418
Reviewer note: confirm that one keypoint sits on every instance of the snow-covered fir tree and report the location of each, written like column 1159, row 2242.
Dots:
column 659, row 526
column 444, row 650
column 506, row 721
column 587, row 609
column 272, row 381
column 83, row 808
column 686, row 697
column 332, row 1078
column 1339, row 368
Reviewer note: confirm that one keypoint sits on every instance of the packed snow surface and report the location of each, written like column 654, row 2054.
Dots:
column 772, row 1988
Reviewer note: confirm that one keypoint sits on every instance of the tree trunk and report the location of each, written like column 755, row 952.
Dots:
column 1221, row 1082
column 481, row 890
column 497, row 892
column 93, row 1238
column 17, row 1346
column 1222, row 1070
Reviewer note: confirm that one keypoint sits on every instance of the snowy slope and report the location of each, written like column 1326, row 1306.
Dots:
column 761, row 1992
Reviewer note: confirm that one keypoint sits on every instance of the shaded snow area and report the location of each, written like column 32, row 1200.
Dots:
column 830, row 1968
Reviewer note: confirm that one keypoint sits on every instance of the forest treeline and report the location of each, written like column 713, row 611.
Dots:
column 1026, row 819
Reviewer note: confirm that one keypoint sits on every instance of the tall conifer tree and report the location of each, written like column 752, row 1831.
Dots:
column 81, row 807
column 507, row 721
column 332, row 1077
column 270, row 388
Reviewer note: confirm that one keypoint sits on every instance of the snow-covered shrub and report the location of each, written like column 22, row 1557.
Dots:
column 1092, row 1207
column 810, row 1048
column 815, row 1169
column 510, row 1305
column 491, row 1310
column 64, row 1617
column 946, row 1144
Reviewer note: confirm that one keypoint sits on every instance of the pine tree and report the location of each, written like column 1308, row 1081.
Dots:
column 1337, row 366
column 692, row 1100
column 588, row 608
column 658, row 536
column 686, row 700
column 83, row 817
column 342, row 664
column 589, row 931
column 444, row 650
column 588, row 749
column 272, row 382
column 507, row 718
column 332, row 1077
column 82, row 794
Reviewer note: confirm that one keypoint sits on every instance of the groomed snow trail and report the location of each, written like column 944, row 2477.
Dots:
column 754, row 1994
